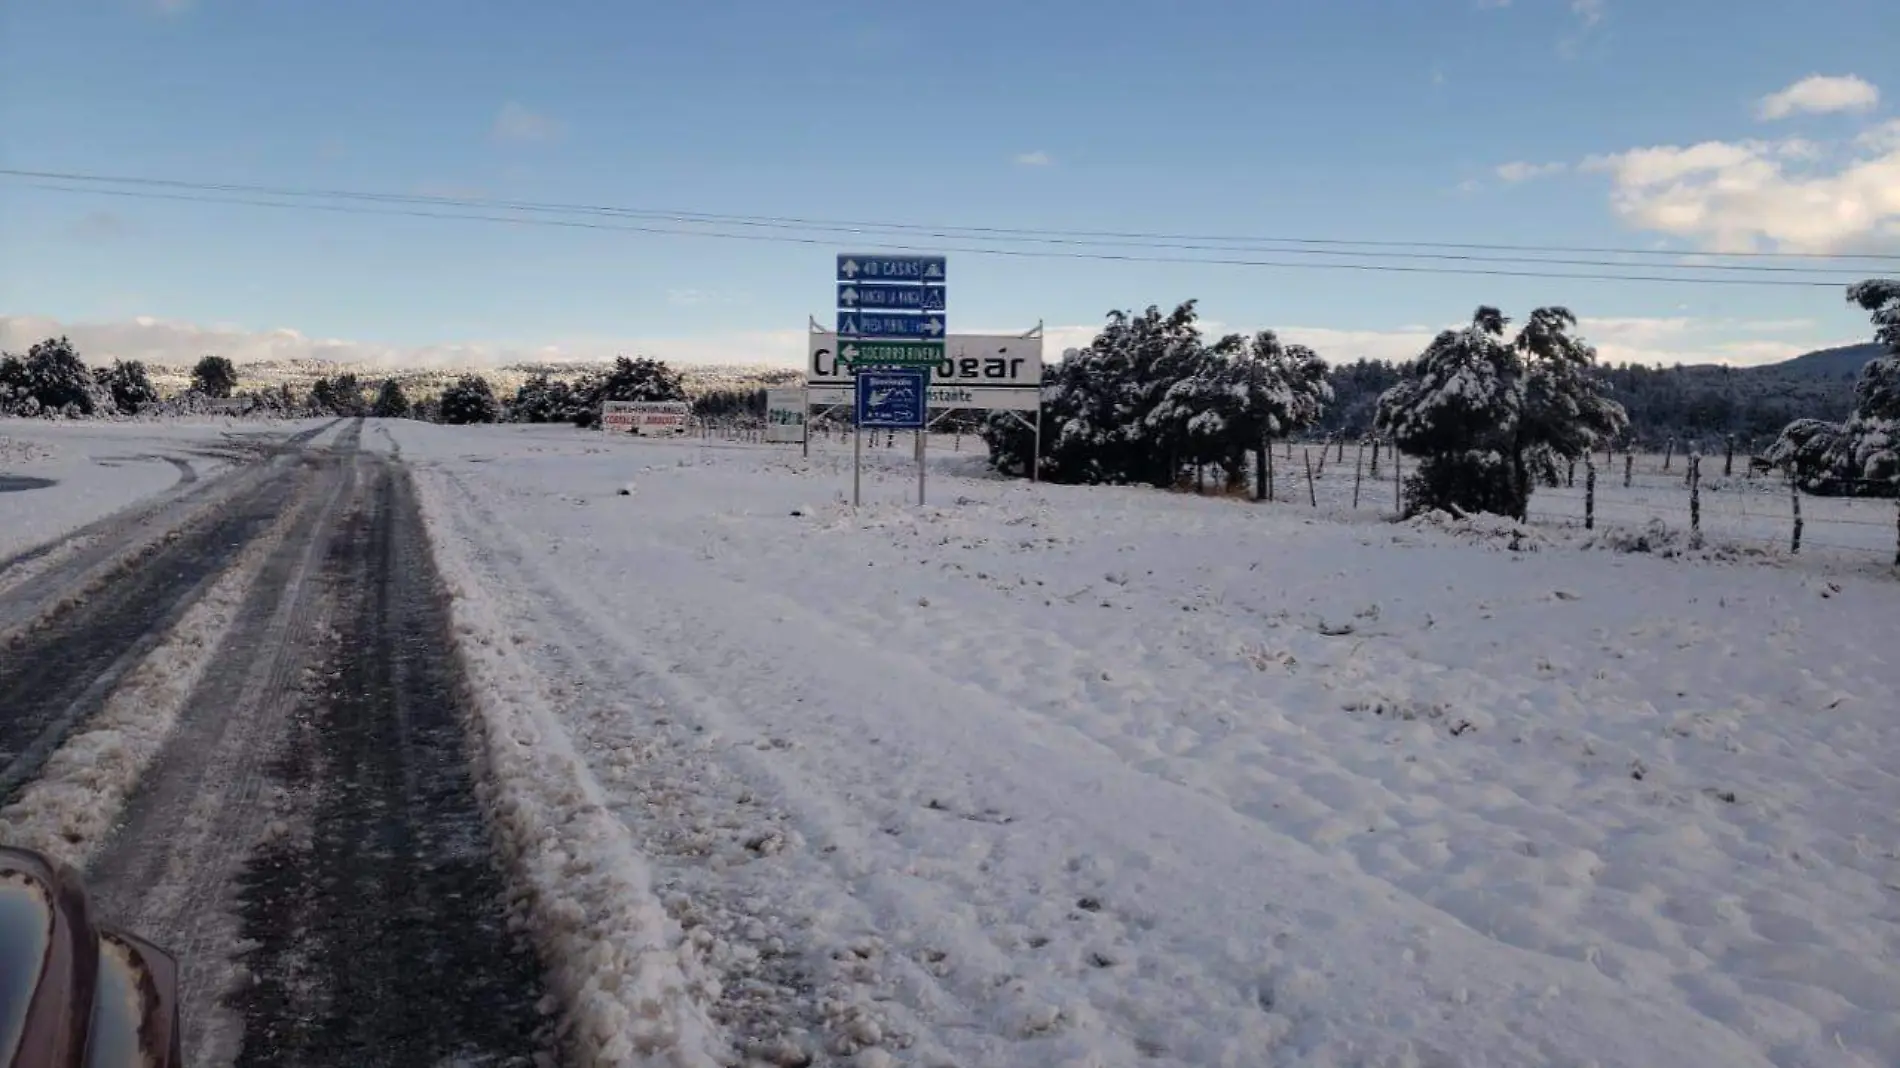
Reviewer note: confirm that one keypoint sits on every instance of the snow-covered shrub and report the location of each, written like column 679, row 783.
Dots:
column 51, row 379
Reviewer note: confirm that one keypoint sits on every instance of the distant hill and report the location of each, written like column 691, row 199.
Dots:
column 1843, row 362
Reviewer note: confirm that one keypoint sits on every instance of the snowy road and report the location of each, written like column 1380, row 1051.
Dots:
column 246, row 727
column 1103, row 777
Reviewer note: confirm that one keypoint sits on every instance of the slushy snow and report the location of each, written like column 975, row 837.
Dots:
column 1087, row 776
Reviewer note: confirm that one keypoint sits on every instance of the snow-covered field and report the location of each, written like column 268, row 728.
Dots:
column 1069, row 776
column 58, row 476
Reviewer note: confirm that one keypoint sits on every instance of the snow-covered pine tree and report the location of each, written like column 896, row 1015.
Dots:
column 128, row 384
column 1458, row 410
column 469, row 400
column 1566, row 409
column 1861, row 455
column 391, row 402
column 214, row 376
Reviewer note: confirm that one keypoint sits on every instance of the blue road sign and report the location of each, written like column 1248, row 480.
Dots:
column 875, row 268
column 904, row 325
column 902, row 297
column 892, row 400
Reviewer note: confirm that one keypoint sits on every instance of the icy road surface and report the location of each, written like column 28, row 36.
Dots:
column 231, row 700
column 1068, row 776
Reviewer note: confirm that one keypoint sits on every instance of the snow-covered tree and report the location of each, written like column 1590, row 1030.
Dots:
column 544, row 400
column 51, row 379
column 391, row 403
column 1149, row 398
column 214, row 376
column 129, row 385
column 1484, row 414
column 1862, row 455
column 470, row 400
column 628, row 380
column 1566, row 409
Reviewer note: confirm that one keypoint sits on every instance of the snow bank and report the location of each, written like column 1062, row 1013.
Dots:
column 69, row 810
column 622, row 970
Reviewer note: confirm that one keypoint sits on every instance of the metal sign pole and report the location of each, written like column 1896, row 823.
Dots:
column 857, row 461
column 923, row 438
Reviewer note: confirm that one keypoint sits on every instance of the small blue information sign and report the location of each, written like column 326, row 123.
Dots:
column 892, row 400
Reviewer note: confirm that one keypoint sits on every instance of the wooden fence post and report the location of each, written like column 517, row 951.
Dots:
column 1695, row 494
column 1341, row 458
column 1374, row 469
column 1312, row 495
column 1629, row 468
column 1570, row 476
column 1589, row 493
column 1669, row 453
column 1270, row 474
column 1728, row 461
column 1358, row 472
column 1794, row 498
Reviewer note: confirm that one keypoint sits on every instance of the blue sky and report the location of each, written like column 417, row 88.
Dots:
column 1573, row 122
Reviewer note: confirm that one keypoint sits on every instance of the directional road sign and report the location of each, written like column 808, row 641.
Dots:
column 891, row 297
column 876, row 268
column 890, row 325
column 892, row 400
column 890, row 353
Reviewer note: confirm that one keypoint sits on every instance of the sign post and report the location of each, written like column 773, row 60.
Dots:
column 891, row 331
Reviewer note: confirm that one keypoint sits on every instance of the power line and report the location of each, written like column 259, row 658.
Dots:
column 519, row 220
column 1225, row 243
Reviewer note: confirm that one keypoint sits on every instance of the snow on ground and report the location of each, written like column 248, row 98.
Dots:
column 1043, row 775
column 57, row 476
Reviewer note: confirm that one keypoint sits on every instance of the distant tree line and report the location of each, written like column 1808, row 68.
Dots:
column 544, row 399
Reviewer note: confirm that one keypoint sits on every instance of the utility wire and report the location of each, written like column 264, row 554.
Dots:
column 881, row 245
column 1037, row 237
column 934, row 230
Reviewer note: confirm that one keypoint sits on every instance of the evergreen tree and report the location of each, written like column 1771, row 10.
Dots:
column 628, row 380
column 390, row 401
column 1861, row 455
column 1484, row 415
column 53, row 379
column 469, row 400
column 214, row 376
column 131, row 388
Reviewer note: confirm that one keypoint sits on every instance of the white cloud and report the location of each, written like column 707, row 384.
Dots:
column 514, row 122
column 1518, row 171
column 1590, row 12
column 1820, row 93
column 1750, row 195
column 1038, row 158
column 172, row 343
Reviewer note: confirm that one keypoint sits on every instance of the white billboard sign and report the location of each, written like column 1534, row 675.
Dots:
column 645, row 418
column 993, row 371
column 785, row 415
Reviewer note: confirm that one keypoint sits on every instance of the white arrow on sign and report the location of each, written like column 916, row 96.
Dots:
column 850, row 269
column 850, row 353
column 933, row 327
column 848, row 298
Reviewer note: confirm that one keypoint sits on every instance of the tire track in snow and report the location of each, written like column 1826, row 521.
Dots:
column 168, row 871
